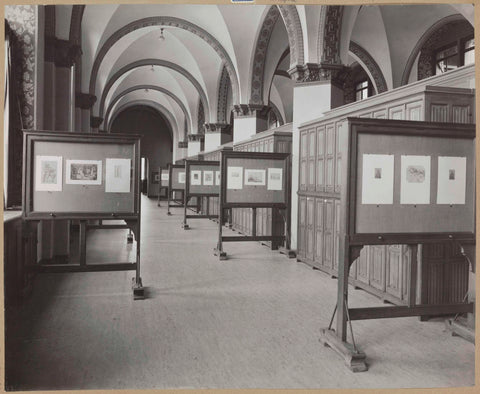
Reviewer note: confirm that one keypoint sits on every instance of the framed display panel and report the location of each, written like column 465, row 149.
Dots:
column 431, row 192
column 164, row 175
column 176, row 179
column 202, row 180
column 254, row 179
column 408, row 183
column 81, row 176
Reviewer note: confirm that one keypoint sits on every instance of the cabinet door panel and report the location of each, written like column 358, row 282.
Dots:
column 377, row 267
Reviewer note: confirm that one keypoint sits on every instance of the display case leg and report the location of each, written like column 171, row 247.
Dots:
column 138, row 289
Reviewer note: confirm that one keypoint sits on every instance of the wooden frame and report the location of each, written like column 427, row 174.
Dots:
column 188, row 194
column 171, row 189
column 250, row 200
column 162, row 184
column 352, row 241
column 107, row 145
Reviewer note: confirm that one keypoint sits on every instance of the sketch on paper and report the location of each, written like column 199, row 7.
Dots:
column 165, row 176
column 452, row 175
column 181, row 177
column 415, row 179
column 275, row 179
column 377, row 179
column 254, row 177
column 196, row 177
column 117, row 175
column 234, row 177
column 208, row 178
column 84, row 172
column 48, row 173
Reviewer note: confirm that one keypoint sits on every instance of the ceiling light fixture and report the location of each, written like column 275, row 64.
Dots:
column 161, row 37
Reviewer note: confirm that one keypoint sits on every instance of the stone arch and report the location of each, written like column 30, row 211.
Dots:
column 76, row 24
column 259, row 57
column 328, row 45
column 277, row 113
column 153, row 62
column 151, row 87
column 372, row 66
column 150, row 103
column 172, row 22
column 223, row 86
column 423, row 40
column 295, row 35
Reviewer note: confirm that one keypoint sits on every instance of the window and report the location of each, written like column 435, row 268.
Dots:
column 361, row 90
column 469, row 51
column 455, row 55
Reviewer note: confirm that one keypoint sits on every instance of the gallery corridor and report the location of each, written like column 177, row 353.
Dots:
column 252, row 321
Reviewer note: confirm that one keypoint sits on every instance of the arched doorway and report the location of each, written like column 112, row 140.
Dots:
column 156, row 145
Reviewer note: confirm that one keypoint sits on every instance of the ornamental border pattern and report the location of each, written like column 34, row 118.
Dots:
column 22, row 22
column 372, row 66
column 261, row 47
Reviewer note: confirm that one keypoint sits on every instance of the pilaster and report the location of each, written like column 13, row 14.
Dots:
column 249, row 119
column 195, row 144
column 83, row 105
column 318, row 89
column 216, row 134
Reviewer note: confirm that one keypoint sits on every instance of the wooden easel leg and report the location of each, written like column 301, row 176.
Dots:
column 218, row 251
column 185, row 226
column 337, row 340
column 137, row 286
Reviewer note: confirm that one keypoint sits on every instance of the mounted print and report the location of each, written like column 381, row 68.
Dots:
column 48, row 173
column 83, row 172
column 254, row 177
column 117, row 175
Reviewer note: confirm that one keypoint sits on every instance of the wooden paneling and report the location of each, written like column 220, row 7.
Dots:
column 383, row 271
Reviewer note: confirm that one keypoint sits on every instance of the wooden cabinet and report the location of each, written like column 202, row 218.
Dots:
column 381, row 270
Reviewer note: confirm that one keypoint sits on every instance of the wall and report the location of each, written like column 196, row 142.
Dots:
column 156, row 143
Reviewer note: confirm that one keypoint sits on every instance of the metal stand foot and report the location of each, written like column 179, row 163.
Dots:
column 130, row 238
column 185, row 226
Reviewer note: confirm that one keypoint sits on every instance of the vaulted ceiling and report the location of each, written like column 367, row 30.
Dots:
column 125, row 61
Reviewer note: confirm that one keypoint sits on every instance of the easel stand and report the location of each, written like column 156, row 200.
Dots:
column 200, row 189
column 363, row 222
column 40, row 206
column 251, row 196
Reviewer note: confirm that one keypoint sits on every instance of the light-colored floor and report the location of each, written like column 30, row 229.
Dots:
column 252, row 321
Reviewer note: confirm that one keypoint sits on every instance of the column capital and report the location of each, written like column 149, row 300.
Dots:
column 95, row 121
column 62, row 52
column 84, row 100
column 314, row 72
column 217, row 128
column 182, row 144
column 257, row 110
column 195, row 137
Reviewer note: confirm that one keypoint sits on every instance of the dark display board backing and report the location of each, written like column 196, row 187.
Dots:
column 255, row 186
column 430, row 143
column 76, row 198
column 203, row 178
column 176, row 171
column 164, row 177
column 415, row 218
